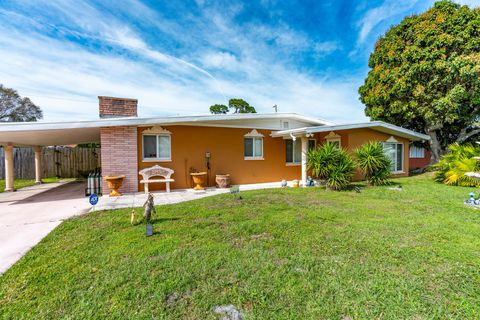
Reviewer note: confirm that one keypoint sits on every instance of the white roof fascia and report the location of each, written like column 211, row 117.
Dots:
column 133, row 121
column 399, row 131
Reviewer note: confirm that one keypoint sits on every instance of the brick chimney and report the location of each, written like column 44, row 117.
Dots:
column 110, row 107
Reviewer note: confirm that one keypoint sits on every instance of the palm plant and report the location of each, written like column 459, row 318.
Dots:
column 452, row 167
column 332, row 164
column 373, row 162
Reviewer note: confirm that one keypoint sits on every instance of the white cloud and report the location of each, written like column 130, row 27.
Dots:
column 382, row 13
column 65, row 79
column 220, row 60
column 470, row 3
column 324, row 48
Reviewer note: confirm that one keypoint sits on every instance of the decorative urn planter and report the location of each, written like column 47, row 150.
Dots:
column 114, row 183
column 198, row 179
column 222, row 180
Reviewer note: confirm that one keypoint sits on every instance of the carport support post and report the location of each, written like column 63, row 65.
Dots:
column 304, row 159
column 9, row 168
column 38, row 165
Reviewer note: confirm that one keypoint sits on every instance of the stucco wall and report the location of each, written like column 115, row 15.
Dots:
column 354, row 138
column 190, row 143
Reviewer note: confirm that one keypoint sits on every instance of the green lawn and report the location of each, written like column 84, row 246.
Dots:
column 275, row 254
column 22, row 183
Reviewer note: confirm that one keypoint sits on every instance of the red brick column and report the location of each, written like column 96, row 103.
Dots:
column 119, row 156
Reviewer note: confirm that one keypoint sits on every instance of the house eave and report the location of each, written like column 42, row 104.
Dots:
column 375, row 125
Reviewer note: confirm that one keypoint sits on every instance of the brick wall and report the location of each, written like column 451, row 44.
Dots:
column 119, row 156
column 420, row 163
column 110, row 107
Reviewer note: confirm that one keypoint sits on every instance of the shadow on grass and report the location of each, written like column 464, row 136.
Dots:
column 363, row 186
column 162, row 220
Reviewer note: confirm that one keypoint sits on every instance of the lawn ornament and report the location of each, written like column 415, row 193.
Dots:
column 472, row 197
column 357, row 189
column 310, row 182
column 284, row 183
column 295, row 184
column 134, row 219
column 149, row 207
column 471, row 201
column 235, row 191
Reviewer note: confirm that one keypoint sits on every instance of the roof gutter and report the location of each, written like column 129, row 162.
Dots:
column 375, row 125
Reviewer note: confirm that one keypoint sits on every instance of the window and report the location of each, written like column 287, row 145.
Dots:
column 253, row 148
column 293, row 151
column 334, row 138
column 157, row 147
column 336, row 142
column 286, row 125
column 394, row 152
column 417, row 152
column 311, row 144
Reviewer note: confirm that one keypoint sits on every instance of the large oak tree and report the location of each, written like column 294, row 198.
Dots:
column 14, row 108
column 425, row 75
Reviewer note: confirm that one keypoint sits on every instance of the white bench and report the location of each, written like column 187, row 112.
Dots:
column 156, row 171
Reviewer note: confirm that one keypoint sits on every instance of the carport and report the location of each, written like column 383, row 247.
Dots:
column 38, row 135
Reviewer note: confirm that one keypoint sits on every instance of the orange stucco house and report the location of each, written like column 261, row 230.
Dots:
column 251, row 148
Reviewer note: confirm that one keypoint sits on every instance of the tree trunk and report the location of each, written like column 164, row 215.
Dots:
column 434, row 146
column 463, row 136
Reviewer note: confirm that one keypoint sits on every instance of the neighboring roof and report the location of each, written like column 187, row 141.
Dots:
column 74, row 132
column 375, row 125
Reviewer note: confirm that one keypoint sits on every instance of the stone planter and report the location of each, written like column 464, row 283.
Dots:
column 114, row 183
column 198, row 179
column 222, row 180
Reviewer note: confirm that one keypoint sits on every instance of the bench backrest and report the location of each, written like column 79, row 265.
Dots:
column 156, row 171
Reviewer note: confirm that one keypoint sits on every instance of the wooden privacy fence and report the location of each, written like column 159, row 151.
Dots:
column 62, row 162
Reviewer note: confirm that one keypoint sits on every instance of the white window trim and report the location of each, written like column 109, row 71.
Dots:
column 403, row 155
column 416, row 152
column 169, row 159
column 333, row 137
column 315, row 142
column 253, row 137
column 339, row 140
column 293, row 163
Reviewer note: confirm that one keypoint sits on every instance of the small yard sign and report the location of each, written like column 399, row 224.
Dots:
column 93, row 199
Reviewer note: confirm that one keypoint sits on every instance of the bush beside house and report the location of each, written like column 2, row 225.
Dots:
column 373, row 162
column 453, row 165
column 332, row 164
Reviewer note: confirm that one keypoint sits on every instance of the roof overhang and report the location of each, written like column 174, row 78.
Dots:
column 75, row 132
column 374, row 125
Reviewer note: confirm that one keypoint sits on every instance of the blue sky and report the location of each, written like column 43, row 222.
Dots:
column 179, row 57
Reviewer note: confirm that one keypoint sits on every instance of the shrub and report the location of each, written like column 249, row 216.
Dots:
column 332, row 164
column 373, row 162
column 459, row 160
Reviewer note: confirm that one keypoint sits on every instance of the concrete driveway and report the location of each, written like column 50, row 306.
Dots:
column 29, row 214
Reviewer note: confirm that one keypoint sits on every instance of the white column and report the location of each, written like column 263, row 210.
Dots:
column 9, row 167
column 304, row 159
column 38, row 165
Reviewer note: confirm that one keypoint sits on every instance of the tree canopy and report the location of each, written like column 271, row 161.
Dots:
column 219, row 109
column 237, row 105
column 425, row 75
column 14, row 108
